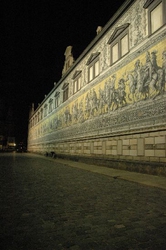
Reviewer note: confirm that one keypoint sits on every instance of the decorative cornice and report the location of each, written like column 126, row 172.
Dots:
column 117, row 32
column 65, row 85
column 57, row 93
column 92, row 57
column 77, row 72
column 50, row 100
column 148, row 2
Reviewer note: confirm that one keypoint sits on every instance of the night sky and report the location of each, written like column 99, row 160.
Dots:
column 34, row 37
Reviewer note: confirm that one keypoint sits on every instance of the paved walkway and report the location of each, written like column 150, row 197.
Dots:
column 145, row 179
column 56, row 204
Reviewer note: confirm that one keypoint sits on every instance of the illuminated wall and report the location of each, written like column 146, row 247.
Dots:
column 121, row 113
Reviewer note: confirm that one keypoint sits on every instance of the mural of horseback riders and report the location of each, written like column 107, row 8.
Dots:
column 145, row 81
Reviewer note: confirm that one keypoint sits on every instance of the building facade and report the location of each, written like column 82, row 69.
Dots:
column 110, row 103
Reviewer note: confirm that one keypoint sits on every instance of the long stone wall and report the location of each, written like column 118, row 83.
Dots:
column 136, row 134
column 119, row 116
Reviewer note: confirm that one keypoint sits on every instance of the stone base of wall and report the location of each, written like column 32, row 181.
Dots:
column 120, row 137
column 140, row 152
column 132, row 138
column 134, row 166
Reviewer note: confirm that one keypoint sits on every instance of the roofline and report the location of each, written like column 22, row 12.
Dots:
column 118, row 13
column 112, row 20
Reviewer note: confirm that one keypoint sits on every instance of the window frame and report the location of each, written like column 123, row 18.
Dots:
column 65, row 92
column 116, row 38
column 50, row 109
column 38, row 116
column 76, row 84
column 151, row 6
column 117, row 41
column 91, row 63
column 57, row 99
column 45, row 110
column 77, row 81
column 41, row 114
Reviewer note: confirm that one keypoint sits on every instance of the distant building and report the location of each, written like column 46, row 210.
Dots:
column 110, row 103
column 1, row 142
column 11, row 144
column 7, row 126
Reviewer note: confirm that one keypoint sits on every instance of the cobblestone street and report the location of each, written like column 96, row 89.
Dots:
column 52, row 206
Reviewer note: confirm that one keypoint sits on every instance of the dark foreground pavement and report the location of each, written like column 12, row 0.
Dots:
column 52, row 205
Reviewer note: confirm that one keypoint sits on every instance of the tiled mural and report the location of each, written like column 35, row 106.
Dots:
column 120, row 114
column 139, row 81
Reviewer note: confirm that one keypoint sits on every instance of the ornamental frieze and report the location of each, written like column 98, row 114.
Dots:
column 133, row 94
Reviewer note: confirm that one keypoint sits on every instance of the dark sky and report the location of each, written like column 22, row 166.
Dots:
column 34, row 36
